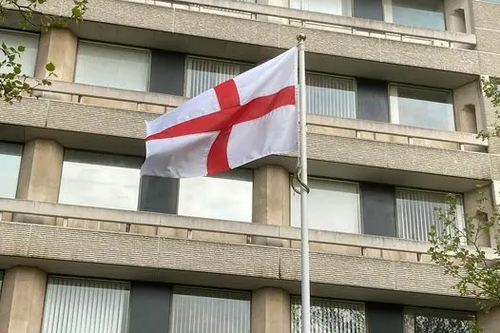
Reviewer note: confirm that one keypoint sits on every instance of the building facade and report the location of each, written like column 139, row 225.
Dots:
column 394, row 102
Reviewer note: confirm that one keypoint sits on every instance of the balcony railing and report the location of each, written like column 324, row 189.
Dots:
column 337, row 23
column 250, row 233
column 362, row 129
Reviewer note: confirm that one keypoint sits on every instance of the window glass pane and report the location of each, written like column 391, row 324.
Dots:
column 421, row 13
column 112, row 66
column 331, row 96
column 226, row 197
column 330, row 316
column 336, row 7
column 417, row 212
column 332, row 206
column 28, row 57
column 85, row 306
column 10, row 162
column 437, row 321
column 100, row 180
column 422, row 107
column 206, row 311
column 204, row 74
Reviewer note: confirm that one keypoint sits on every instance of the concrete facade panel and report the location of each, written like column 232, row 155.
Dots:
column 486, row 15
column 449, row 162
column 427, row 56
column 223, row 27
column 30, row 112
column 47, row 242
column 97, row 120
column 130, row 14
column 489, row 63
column 488, row 40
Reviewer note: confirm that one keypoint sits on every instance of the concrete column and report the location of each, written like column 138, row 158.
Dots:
column 471, row 207
column 40, row 175
column 271, row 199
column 58, row 46
column 278, row 3
column 466, row 100
column 458, row 16
column 40, row 172
column 270, row 311
column 489, row 321
column 22, row 300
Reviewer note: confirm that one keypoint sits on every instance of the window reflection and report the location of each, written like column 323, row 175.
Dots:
column 332, row 206
column 204, row 74
column 336, row 7
column 28, row 57
column 331, row 95
column 422, row 13
column 85, row 306
column 205, row 310
column 100, row 180
column 422, row 107
column 418, row 211
column 437, row 321
column 112, row 66
column 332, row 316
column 227, row 196
column 10, row 162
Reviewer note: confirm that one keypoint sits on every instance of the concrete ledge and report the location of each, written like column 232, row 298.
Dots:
column 73, row 245
column 163, row 18
column 81, row 118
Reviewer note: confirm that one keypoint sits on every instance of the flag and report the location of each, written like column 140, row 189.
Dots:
column 240, row 120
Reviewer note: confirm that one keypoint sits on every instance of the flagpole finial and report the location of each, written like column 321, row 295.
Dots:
column 301, row 37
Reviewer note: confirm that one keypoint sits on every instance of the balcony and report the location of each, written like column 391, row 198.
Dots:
column 143, row 240
column 207, row 27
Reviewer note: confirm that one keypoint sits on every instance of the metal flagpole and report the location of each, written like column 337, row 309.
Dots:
column 304, row 190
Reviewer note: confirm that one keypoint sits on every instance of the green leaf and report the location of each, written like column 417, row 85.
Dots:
column 17, row 70
column 76, row 12
column 50, row 67
column 21, row 48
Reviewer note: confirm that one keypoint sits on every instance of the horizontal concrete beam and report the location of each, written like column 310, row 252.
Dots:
column 201, row 224
column 283, row 264
column 80, row 91
column 82, row 118
column 163, row 18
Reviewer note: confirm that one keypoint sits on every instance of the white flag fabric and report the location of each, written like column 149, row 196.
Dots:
column 240, row 120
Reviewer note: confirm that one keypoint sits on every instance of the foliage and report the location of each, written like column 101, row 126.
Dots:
column 13, row 83
column 459, row 250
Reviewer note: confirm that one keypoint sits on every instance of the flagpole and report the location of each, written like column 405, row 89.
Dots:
column 304, row 190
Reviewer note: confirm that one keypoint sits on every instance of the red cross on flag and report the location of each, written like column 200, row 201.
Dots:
column 240, row 120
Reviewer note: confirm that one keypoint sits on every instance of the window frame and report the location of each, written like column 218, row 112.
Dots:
column 461, row 223
column 351, row 9
column 187, row 78
column 246, row 293
column 223, row 175
column 118, row 46
column 394, row 112
column 387, row 13
column 341, row 77
column 26, row 33
column 21, row 153
column 126, row 321
column 451, row 314
column 335, row 300
column 332, row 180
column 91, row 152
